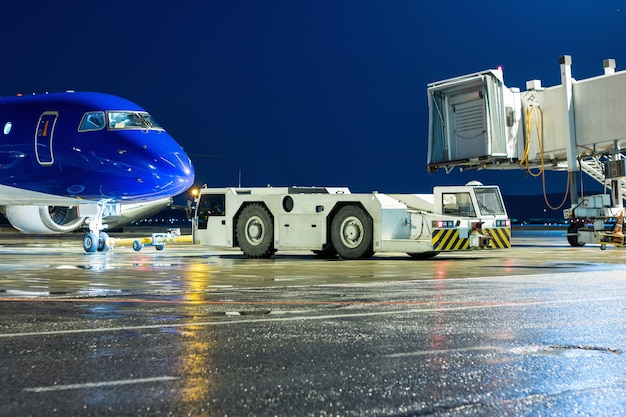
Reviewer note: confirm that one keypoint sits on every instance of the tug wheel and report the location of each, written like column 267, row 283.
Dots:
column 255, row 231
column 351, row 233
column 572, row 234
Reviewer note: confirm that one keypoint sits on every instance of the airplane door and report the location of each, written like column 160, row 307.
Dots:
column 43, row 137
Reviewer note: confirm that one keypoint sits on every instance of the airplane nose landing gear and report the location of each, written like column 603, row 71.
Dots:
column 91, row 243
column 96, row 240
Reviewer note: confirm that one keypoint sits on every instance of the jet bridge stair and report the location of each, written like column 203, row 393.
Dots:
column 595, row 168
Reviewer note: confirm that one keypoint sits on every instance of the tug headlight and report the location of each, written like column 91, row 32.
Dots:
column 440, row 224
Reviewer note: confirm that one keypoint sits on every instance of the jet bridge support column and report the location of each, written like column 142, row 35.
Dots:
column 570, row 128
column 617, row 195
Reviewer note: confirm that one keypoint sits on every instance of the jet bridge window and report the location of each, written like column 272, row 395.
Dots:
column 93, row 120
column 458, row 204
column 132, row 120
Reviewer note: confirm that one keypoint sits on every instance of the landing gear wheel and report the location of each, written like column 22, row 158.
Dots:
column 90, row 242
column 572, row 234
column 159, row 247
column 351, row 233
column 103, row 246
column 255, row 232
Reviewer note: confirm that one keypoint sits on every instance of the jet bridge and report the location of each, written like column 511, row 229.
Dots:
column 476, row 122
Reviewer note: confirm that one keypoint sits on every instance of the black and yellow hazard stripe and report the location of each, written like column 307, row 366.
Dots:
column 449, row 240
column 500, row 237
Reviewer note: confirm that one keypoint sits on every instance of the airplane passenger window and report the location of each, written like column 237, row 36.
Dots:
column 92, row 121
column 7, row 127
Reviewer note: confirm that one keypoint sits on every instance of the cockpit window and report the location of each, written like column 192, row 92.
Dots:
column 132, row 120
column 458, row 204
column 93, row 120
column 489, row 201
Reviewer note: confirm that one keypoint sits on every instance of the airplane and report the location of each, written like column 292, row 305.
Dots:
column 75, row 158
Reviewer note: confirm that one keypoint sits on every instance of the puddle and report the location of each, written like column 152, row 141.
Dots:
column 584, row 347
column 248, row 313
column 564, row 349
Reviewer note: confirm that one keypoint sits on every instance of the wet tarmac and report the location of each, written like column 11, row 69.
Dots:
column 539, row 329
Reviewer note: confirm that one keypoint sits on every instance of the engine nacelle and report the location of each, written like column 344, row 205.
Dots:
column 43, row 219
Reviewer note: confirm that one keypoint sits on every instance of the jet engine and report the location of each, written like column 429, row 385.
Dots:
column 43, row 219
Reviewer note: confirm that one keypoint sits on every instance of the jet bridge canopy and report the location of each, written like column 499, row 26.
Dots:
column 469, row 118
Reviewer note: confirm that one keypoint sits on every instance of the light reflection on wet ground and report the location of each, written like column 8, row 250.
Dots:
column 535, row 330
column 56, row 266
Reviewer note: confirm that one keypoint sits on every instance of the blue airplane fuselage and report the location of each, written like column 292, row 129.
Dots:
column 70, row 145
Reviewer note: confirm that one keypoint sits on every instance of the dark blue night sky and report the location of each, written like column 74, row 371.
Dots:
column 308, row 92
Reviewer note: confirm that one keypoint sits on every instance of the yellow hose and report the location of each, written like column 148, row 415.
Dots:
column 524, row 160
column 530, row 110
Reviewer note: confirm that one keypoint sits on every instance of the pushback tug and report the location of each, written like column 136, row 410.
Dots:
column 332, row 221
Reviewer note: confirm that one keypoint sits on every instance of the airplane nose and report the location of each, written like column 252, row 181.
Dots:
column 177, row 174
